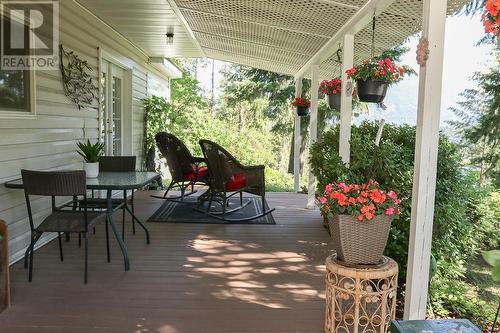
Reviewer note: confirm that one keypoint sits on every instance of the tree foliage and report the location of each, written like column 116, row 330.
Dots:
column 479, row 124
column 465, row 217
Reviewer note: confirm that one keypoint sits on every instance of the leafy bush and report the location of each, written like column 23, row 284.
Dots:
column 192, row 123
column 466, row 216
column 458, row 228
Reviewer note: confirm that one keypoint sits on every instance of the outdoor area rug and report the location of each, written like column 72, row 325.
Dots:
column 175, row 212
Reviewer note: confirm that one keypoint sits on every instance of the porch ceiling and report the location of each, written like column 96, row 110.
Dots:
column 276, row 35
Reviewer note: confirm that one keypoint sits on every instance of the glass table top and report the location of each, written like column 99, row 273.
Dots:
column 110, row 180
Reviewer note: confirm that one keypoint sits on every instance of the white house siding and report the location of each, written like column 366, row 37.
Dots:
column 48, row 141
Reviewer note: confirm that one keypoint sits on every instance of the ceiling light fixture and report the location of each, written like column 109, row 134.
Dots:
column 170, row 38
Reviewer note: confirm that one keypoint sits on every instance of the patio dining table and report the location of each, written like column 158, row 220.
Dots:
column 109, row 182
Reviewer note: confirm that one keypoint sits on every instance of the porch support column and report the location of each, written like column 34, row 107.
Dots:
column 297, row 139
column 346, row 99
column 426, row 150
column 313, row 133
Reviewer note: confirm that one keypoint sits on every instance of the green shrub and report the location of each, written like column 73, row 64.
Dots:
column 457, row 232
column 250, row 146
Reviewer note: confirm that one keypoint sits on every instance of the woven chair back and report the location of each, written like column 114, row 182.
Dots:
column 117, row 163
column 179, row 159
column 219, row 163
column 54, row 183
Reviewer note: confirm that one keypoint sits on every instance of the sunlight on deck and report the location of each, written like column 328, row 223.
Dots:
column 191, row 278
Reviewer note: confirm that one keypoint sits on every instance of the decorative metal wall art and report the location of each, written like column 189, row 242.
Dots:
column 78, row 81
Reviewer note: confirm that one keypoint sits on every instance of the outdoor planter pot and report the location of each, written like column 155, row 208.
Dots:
column 360, row 242
column 334, row 101
column 91, row 169
column 302, row 111
column 371, row 91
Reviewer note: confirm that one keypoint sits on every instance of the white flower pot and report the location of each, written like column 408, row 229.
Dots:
column 91, row 169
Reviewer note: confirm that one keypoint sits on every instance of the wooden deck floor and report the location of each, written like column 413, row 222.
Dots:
column 191, row 278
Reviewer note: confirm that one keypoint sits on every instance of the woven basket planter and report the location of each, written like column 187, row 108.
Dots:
column 360, row 243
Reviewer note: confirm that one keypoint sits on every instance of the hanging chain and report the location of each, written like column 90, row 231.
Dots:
column 339, row 55
column 373, row 37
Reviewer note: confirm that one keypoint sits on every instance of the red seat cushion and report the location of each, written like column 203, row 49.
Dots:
column 197, row 173
column 236, row 182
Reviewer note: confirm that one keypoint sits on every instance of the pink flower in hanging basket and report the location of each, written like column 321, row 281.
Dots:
column 330, row 87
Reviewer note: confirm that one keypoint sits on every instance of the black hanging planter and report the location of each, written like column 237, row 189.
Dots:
column 302, row 111
column 334, row 101
column 371, row 91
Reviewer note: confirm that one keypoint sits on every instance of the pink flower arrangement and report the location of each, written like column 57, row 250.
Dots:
column 364, row 201
column 384, row 70
column 330, row 87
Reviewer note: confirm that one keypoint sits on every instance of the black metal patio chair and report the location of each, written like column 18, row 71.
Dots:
column 115, row 164
column 60, row 184
column 227, row 178
column 185, row 169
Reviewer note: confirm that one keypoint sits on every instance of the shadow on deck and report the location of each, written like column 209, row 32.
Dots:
column 191, row 278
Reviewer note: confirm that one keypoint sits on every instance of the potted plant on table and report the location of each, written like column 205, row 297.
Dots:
column 360, row 217
column 373, row 77
column 91, row 153
column 302, row 106
column 332, row 88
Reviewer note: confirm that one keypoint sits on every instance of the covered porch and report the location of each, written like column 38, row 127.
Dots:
column 213, row 278
column 191, row 278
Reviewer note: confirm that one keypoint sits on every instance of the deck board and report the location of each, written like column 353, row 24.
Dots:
column 191, row 278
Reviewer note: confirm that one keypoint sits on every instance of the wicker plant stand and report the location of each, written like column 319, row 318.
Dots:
column 360, row 298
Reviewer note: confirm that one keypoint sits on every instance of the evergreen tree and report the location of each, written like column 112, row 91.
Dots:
column 479, row 124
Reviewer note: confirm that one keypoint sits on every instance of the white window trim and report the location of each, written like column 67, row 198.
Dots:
column 127, row 117
column 31, row 112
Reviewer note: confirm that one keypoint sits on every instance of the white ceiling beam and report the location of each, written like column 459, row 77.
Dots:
column 253, row 22
column 254, row 43
column 186, row 26
column 355, row 24
column 338, row 4
column 242, row 55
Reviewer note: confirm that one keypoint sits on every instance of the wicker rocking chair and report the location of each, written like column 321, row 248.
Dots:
column 227, row 178
column 185, row 169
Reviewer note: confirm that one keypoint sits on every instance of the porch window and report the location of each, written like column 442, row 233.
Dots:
column 14, row 91
column 16, row 88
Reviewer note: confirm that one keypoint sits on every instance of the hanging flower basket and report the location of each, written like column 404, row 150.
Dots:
column 302, row 106
column 334, row 101
column 359, row 217
column 332, row 88
column 371, row 91
column 373, row 78
column 302, row 111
